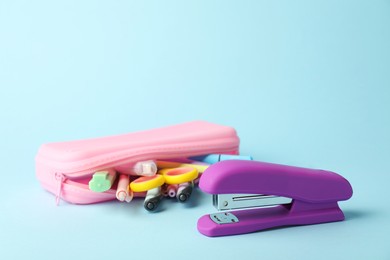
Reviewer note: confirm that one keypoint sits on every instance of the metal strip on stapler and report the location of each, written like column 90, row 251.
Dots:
column 242, row 201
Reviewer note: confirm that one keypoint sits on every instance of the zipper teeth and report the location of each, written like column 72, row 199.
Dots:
column 60, row 179
column 144, row 155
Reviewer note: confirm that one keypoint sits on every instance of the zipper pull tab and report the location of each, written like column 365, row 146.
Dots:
column 60, row 179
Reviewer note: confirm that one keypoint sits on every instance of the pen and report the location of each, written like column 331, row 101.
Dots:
column 153, row 199
column 184, row 191
column 123, row 192
column 171, row 190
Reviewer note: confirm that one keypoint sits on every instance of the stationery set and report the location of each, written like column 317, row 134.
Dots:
column 170, row 162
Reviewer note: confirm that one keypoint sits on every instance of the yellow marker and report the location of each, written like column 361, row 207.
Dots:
column 179, row 175
column 164, row 164
column 147, row 183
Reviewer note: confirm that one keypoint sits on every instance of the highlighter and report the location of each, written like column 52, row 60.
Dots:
column 102, row 181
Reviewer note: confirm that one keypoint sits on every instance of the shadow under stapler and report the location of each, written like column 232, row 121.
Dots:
column 358, row 214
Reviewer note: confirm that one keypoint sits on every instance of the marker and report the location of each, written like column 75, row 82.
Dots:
column 214, row 158
column 166, row 164
column 184, row 191
column 102, row 181
column 153, row 199
column 123, row 192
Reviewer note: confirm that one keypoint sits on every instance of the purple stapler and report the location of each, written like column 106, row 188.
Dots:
column 269, row 195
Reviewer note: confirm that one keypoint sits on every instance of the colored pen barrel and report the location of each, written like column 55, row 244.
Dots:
column 123, row 192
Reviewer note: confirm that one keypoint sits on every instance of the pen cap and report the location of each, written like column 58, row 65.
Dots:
column 145, row 168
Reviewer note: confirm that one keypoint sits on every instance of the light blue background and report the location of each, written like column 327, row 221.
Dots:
column 305, row 83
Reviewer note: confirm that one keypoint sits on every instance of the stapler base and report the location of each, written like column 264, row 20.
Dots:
column 247, row 221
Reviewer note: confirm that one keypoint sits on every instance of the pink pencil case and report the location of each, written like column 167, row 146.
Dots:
column 65, row 168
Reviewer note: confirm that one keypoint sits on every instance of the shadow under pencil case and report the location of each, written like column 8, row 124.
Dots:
column 65, row 168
